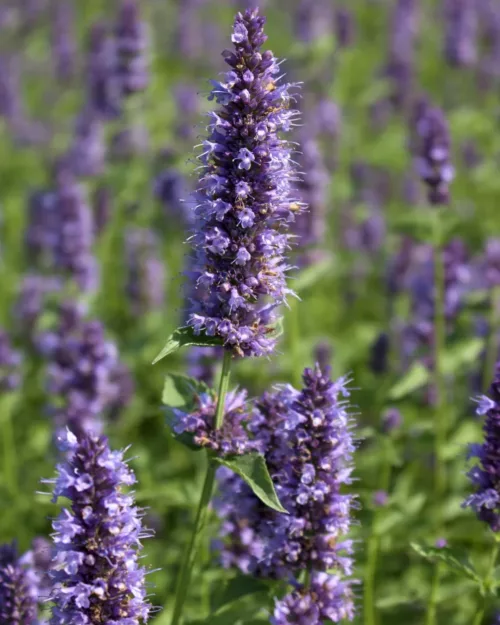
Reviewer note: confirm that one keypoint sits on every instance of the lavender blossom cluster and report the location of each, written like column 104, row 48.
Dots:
column 307, row 442
column 243, row 201
column 231, row 438
column 83, row 371
column 485, row 474
column 19, row 590
column 95, row 572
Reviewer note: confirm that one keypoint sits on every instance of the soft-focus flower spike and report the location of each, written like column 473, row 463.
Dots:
column 96, row 574
column 18, row 589
column 64, row 46
column 10, row 364
column 432, row 138
column 103, row 89
column 485, row 475
column 243, row 201
column 145, row 271
column 132, row 42
column 460, row 45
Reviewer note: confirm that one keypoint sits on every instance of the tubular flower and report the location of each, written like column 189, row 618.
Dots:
column 243, row 200
column 96, row 576
column 307, row 441
column 485, row 475
column 18, row 589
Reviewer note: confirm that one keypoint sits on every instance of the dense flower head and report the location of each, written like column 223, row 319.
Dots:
column 132, row 41
column 485, row 475
column 243, row 201
column 460, row 41
column 325, row 600
column 18, row 589
column 82, row 371
column 432, row 159
column 145, row 271
column 307, row 442
column 231, row 438
column 96, row 575
column 10, row 364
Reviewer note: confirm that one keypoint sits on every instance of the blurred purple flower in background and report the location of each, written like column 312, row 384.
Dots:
column 18, row 589
column 10, row 364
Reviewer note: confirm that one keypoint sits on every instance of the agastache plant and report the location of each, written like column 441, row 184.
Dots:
column 244, row 204
column 242, row 214
column 18, row 589
column 96, row 575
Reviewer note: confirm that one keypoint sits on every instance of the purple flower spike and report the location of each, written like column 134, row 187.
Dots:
column 485, row 475
column 95, row 572
column 243, row 201
column 433, row 151
column 132, row 42
column 18, row 589
column 64, row 46
column 460, row 46
column 10, row 364
column 103, row 90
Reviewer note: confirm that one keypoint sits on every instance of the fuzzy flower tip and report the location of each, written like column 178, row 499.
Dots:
column 18, row 589
column 486, row 474
column 307, row 442
column 243, row 201
column 96, row 576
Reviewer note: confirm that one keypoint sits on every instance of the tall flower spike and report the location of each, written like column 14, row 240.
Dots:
column 432, row 139
column 96, row 573
column 132, row 42
column 486, row 474
column 18, row 589
column 243, row 201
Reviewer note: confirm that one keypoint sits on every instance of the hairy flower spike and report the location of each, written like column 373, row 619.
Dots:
column 243, row 201
column 486, row 474
column 96, row 574
column 18, row 589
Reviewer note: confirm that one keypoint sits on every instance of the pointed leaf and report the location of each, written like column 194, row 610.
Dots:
column 253, row 469
column 184, row 337
column 414, row 379
column 454, row 559
column 236, row 588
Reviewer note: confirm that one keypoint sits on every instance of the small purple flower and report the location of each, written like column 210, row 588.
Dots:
column 380, row 498
column 18, row 589
column 145, row 271
column 10, row 364
column 235, row 296
column 231, row 438
column 486, row 473
column 132, row 42
column 441, row 543
column 391, row 420
column 432, row 159
column 96, row 573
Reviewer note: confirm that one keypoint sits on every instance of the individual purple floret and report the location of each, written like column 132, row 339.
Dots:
column 432, row 158
column 380, row 498
column 325, row 600
column 64, row 42
column 75, row 232
column 145, row 271
column 103, row 89
column 10, row 364
column 96, row 573
column 231, row 438
column 243, row 201
column 18, row 589
column 391, row 420
column 485, row 474
column 307, row 442
column 81, row 371
column 323, row 353
column 87, row 154
column 460, row 39
column 132, row 42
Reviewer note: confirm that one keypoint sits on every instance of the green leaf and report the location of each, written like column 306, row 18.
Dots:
column 454, row 559
column 252, row 468
column 414, row 379
column 237, row 612
column 183, row 337
column 462, row 354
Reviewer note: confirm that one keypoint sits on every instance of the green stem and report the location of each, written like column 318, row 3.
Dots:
column 433, row 600
column 294, row 343
column 9, row 448
column 488, row 580
column 370, row 617
column 492, row 345
column 206, row 495
column 440, row 417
